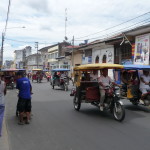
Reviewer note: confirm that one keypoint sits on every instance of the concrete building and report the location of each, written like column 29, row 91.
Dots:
column 56, row 58
column 20, row 57
column 52, row 55
column 34, row 61
column 45, row 56
column 8, row 64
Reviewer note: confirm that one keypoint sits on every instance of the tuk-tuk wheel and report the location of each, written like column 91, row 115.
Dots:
column 118, row 112
column 52, row 86
column 135, row 103
column 77, row 102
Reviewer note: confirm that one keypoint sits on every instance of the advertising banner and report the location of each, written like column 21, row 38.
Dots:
column 142, row 49
column 133, row 50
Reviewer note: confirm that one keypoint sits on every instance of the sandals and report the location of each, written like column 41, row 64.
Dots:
column 21, row 123
column 27, row 122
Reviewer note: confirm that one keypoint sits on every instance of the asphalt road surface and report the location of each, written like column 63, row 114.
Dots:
column 55, row 125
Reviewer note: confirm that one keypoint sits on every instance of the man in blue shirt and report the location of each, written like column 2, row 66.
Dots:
column 24, row 101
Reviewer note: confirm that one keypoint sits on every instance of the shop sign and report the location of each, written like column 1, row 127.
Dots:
column 142, row 49
column 87, row 60
column 126, row 62
column 110, row 57
column 133, row 50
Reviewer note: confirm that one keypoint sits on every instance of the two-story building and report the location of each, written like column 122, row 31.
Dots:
column 8, row 64
column 20, row 57
column 45, row 56
column 34, row 61
column 56, row 58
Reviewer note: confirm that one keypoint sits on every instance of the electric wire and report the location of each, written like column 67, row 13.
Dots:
column 114, row 26
column 123, row 29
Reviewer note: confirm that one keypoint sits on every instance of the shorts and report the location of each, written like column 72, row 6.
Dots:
column 24, row 105
column 144, row 90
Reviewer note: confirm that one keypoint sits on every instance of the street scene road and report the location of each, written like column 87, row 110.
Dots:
column 55, row 125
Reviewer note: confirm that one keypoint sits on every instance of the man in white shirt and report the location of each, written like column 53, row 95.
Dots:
column 62, row 75
column 144, row 84
column 104, row 80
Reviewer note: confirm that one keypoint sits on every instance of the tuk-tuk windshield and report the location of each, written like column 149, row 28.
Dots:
column 60, row 70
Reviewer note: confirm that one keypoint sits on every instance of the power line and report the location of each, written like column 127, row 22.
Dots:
column 7, row 16
column 114, row 26
column 123, row 29
column 29, row 42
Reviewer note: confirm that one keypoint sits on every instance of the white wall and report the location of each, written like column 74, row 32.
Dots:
column 108, row 51
column 101, row 51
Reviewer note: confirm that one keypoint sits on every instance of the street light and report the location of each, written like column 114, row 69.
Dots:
column 16, row 27
column 2, row 47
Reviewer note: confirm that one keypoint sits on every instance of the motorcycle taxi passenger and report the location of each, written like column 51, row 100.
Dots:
column 144, row 85
column 104, row 81
column 94, row 75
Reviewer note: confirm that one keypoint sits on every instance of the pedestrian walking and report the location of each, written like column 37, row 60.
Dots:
column 2, row 102
column 24, row 97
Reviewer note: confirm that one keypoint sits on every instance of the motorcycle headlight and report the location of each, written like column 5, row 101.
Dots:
column 117, row 92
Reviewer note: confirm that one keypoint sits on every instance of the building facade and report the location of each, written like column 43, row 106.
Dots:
column 20, row 57
column 34, row 61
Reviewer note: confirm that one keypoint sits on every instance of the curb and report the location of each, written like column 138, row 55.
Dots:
column 4, row 144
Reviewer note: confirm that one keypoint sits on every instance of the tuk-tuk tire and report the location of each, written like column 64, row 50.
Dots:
column 12, row 87
column 135, row 103
column 123, row 112
column 52, row 86
column 78, row 105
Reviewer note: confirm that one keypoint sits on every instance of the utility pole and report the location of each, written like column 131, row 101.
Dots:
column 66, row 24
column 2, row 49
column 72, row 53
column 36, row 46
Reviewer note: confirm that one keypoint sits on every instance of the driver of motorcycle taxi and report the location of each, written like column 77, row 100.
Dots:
column 104, row 80
column 63, row 75
column 144, row 84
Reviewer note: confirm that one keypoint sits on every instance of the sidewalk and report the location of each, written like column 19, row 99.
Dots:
column 4, row 144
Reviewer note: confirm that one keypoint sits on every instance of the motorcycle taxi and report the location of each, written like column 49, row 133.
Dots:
column 131, row 91
column 88, row 91
column 37, row 75
column 9, row 76
column 59, row 80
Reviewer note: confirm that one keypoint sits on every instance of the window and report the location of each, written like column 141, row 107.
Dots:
column 104, row 59
column 53, row 55
column 126, row 51
column 122, row 52
column 116, row 58
column 97, row 59
column 56, row 54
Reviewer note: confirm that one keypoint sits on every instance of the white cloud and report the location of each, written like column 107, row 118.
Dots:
column 45, row 19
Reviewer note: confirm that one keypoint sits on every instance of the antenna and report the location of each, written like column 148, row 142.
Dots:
column 65, row 24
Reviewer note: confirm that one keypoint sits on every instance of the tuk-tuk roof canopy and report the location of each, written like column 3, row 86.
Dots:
column 60, row 69
column 36, row 69
column 98, row 66
column 12, row 69
column 136, row 67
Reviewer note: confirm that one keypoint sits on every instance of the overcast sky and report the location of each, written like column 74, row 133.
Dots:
column 45, row 20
